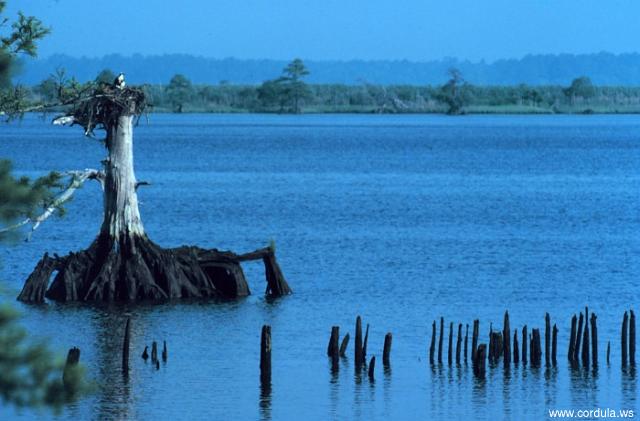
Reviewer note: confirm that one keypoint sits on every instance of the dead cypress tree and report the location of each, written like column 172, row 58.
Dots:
column 122, row 263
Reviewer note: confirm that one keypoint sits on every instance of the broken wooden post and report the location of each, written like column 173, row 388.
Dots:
column 479, row 368
column 459, row 344
column 506, row 337
column 68, row 377
column 632, row 338
column 554, row 345
column 344, row 344
column 585, row 339
column 332, row 350
column 265, row 355
column 536, row 349
column 125, row 347
column 276, row 284
column 154, row 352
column 450, row 350
column 524, row 344
column 576, row 351
column 623, row 339
column 432, row 346
column 547, row 339
column 474, row 339
column 594, row 340
column 572, row 340
column 386, row 352
column 372, row 366
column 466, row 341
column 359, row 357
column 364, row 346
column 516, row 349
column 440, row 340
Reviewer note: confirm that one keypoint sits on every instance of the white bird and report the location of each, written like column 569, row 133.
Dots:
column 63, row 120
column 119, row 81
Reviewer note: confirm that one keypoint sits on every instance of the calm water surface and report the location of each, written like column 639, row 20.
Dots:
column 400, row 219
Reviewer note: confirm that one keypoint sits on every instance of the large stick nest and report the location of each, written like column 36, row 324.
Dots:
column 101, row 108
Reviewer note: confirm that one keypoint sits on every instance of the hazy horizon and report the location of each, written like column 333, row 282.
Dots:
column 345, row 30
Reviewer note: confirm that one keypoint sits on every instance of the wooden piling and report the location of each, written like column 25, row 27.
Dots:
column 572, row 339
column 516, row 349
column 594, row 339
column 125, row 346
column 364, row 347
column 474, row 339
column 372, row 366
column 73, row 358
column 154, row 352
column 358, row 355
column 432, row 347
column 623, row 339
column 479, row 368
column 333, row 351
column 554, row 345
column 536, row 350
column 459, row 344
column 344, row 344
column 440, row 340
column 632, row 338
column 386, row 351
column 524, row 344
column 585, row 339
column 576, row 351
column 466, row 341
column 547, row 339
column 506, row 337
column 265, row 355
column 450, row 350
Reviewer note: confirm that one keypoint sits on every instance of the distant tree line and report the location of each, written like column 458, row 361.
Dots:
column 289, row 93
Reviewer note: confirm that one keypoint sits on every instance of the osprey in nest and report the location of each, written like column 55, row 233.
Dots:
column 119, row 82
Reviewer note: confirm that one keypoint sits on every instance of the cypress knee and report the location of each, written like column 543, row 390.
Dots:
column 554, row 345
column 459, row 344
column 359, row 356
column 450, row 350
column 632, row 338
column 524, row 344
column 623, row 339
column 594, row 340
column 576, row 351
column 516, row 349
column 572, row 339
column 547, row 339
column 432, row 347
column 386, row 353
column 506, row 337
column 440, row 340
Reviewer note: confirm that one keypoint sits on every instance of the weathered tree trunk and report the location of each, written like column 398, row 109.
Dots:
column 123, row 264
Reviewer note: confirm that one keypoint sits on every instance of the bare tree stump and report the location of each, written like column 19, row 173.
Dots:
column 524, row 344
column 372, row 367
column 572, row 340
column 386, row 353
column 344, row 344
column 358, row 355
column 536, row 350
column 623, row 339
column 125, row 346
column 432, row 346
column 506, row 337
column 479, row 367
column 632, row 338
column 364, row 346
column 265, row 355
column 333, row 351
column 516, row 348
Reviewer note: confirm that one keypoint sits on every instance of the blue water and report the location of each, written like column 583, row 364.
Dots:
column 399, row 219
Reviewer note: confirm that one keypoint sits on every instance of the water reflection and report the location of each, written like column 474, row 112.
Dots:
column 265, row 400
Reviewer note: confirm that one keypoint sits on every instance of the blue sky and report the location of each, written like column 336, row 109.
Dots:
column 416, row 30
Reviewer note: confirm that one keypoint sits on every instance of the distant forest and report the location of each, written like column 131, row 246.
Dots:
column 604, row 69
column 287, row 91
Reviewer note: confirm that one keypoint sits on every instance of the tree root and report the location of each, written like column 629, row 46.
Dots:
column 134, row 268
